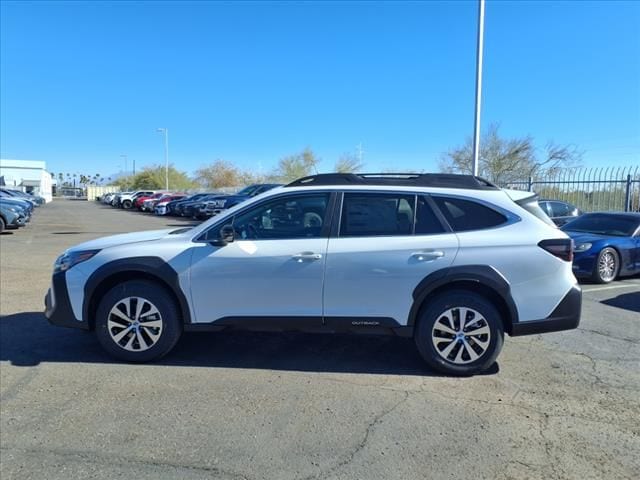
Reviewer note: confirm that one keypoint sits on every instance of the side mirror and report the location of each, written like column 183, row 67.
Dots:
column 227, row 235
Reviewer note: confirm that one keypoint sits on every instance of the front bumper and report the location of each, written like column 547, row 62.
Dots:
column 57, row 307
column 583, row 263
column 566, row 316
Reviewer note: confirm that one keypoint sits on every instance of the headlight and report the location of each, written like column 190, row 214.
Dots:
column 68, row 260
column 582, row 247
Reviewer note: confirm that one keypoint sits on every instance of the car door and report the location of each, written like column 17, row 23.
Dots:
column 273, row 268
column 386, row 244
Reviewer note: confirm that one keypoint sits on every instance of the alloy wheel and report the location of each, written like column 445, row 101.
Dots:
column 607, row 266
column 461, row 335
column 134, row 324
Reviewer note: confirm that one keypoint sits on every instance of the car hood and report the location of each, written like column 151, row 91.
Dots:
column 122, row 239
column 582, row 237
column 236, row 198
column 16, row 203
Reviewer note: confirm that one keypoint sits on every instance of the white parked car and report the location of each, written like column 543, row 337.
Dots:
column 450, row 260
column 126, row 200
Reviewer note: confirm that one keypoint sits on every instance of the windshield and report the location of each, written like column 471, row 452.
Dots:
column 613, row 225
column 247, row 191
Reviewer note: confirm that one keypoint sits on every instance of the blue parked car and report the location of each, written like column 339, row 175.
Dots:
column 217, row 205
column 607, row 245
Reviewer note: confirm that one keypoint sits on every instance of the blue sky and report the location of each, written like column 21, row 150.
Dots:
column 83, row 83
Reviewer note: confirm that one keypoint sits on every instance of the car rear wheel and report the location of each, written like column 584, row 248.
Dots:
column 127, row 204
column 607, row 266
column 459, row 333
column 137, row 321
column 2, row 224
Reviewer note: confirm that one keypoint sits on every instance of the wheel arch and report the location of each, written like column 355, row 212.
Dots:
column 151, row 269
column 481, row 279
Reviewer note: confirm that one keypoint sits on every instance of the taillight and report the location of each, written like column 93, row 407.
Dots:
column 561, row 248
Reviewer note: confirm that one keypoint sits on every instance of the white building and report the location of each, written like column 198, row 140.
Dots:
column 26, row 175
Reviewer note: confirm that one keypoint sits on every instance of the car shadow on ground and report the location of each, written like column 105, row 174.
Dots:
column 627, row 301
column 27, row 339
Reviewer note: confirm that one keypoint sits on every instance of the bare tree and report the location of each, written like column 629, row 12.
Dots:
column 297, row 166
column 219, row 174
column 503, row 160
column 348, row 163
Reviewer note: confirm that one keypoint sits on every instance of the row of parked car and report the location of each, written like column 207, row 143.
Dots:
column 199, row 206
column 16, row 208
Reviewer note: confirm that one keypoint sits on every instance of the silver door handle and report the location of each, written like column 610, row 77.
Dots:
column 301, row 257
column 427, row 255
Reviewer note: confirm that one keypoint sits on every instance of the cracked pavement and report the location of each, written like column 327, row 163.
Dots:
column 297, row 406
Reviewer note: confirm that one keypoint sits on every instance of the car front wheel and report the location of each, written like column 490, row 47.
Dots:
column 459, row 333
column 607, row 266
column 137, row 321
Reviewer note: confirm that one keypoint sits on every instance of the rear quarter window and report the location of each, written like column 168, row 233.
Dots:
column 466, row 215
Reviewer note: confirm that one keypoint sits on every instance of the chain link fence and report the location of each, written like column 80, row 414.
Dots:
column 589, row 189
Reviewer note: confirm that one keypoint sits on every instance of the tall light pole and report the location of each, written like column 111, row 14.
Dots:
column 476, row 126
column 360, row 152
column 126, row 173
column 166, row 156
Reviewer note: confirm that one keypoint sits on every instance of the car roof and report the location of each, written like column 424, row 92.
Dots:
column 631, row 215
column 442, row 180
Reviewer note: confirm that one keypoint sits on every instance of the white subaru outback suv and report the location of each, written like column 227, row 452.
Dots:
column 450, row 260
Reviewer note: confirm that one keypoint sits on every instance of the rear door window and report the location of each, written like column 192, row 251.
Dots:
column 464, row 215
column 377, row 214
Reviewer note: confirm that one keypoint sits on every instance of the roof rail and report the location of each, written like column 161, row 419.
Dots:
column 443, row 180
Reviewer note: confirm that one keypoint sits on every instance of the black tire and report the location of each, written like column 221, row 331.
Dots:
column 2, row 224
column 434, row 312
column 127, row 204
column 605, row 275
column 171, row 325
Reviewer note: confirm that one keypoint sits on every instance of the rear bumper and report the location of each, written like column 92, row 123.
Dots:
column 566, row 316
column 57, row 307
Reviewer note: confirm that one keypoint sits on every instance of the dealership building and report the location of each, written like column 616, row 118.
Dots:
column 27, row 175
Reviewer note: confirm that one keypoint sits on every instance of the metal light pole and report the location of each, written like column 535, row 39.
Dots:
column 476, row 126
column 166, row 156
column 125, row 169
column 125, row 164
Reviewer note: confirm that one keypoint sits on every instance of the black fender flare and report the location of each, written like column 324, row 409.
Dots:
column 484, row 275
column 152, row 267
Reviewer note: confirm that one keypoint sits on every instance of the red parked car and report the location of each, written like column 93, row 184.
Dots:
column 140, row 200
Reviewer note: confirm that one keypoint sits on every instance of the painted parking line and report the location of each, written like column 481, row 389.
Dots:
column 612, row 287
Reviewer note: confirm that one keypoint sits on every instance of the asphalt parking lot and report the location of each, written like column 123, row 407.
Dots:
column 297, row 406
